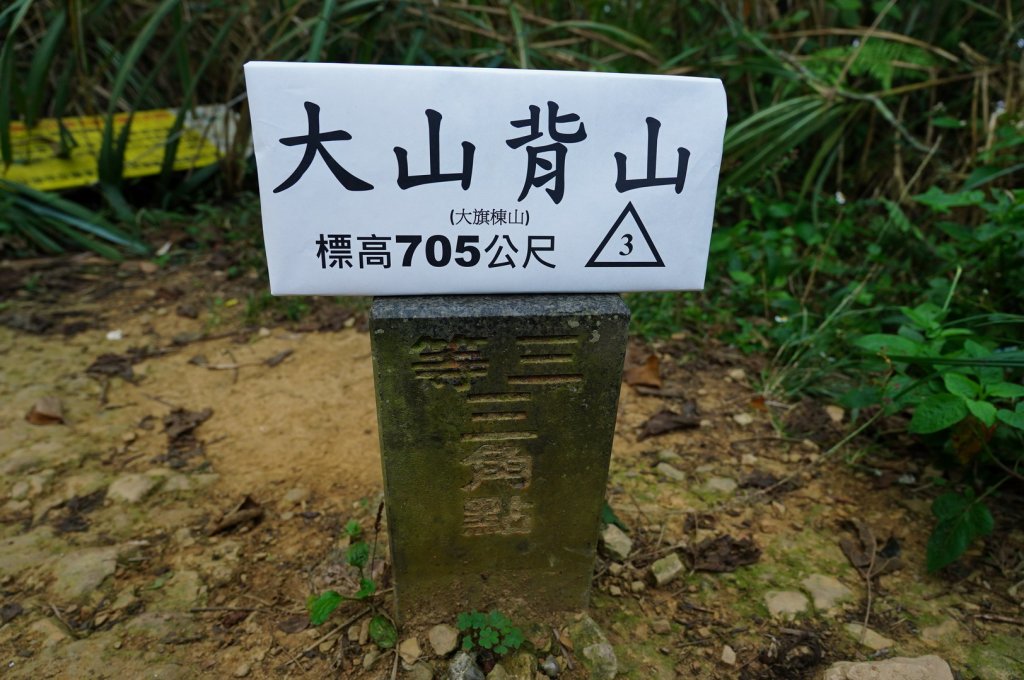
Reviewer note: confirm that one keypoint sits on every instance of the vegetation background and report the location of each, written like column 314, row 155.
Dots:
column 870, row 230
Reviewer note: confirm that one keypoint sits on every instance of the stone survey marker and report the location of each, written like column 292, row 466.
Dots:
column 401, row 180
column 496, row 419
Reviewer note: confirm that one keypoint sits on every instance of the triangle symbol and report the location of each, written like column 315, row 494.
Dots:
column 627, row 244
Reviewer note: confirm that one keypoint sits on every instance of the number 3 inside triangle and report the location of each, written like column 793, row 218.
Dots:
column 627, row 244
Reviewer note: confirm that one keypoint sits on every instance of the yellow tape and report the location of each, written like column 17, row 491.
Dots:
column 35, row 152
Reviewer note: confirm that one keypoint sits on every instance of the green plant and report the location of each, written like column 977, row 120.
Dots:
column 358, row 555
column 492, row 631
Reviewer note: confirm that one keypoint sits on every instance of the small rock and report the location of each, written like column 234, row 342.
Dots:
column 463, row 667
column 550, row 667
column 666, row 569
column 614, row 591
column 421, row 671
column 748, row 459
column 46, row 411
column 728, row 655
column 51, row 631
column 242, row 670
column 661, row 626
column 364, row 632
column 615, row 569
column 80, row 573
column 498, row 673
column 835, row 413
column 897, row 668
column 669, row 472
column 353, row 633
column 593, row 649
column 721, row 485
column 132, row 488
column 19, row 491
column 941, row 633
column 785, row 604
column 743, row 419
column 294, row 497
column 669, row 456
column 521, row 666
column 409, row 650
column 617, row 544
column 443, row 639
column 826, row 591
column 638, row 586
column 326, row 646
column 737, row 374
column 868, row 637
column 370, row 658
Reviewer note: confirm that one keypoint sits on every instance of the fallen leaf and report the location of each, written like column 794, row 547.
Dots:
column 647, row 374
column 668, row 421
column 112, row 365
column 724, row 553
column 294, row 624
column 866, row 555
column 278, row 358
column 46, row 411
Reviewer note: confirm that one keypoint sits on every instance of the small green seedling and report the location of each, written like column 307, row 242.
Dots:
column 493, row 632
column 358, row 555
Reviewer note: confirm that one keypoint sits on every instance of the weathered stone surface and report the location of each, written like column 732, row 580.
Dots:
column 463, row 667
column 497, row 414
column 826, row 591
column 666, row 569
column 420, row 671
column 785, row 604
column 941, row 633
column 868, row 637
column 670, row 472
column 521, row 666
column 593, row 649
column 132, row 488
column 443, row 639
column 898, row 668
column 50, row 631
column 724, row 485
column 617, row 543
column 81, row 572
column 409, row 650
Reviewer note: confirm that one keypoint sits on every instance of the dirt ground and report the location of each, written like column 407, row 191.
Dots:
column 178, row 458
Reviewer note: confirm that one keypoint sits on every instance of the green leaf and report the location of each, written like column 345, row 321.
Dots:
column 322, row 607
column 937, row 412
column 383, row 632
column 608, row 516
column 467, row 644
column 955, row 532
column 488, row 638
column 1005, row 390
column 366, row 588
column 949, row 505
column 983, row 411
column 463, row 621
column 883, row 343
column 358, row 554
column 1012, row 418
column 742, row 278
column 937, row 199
column 513, row 639
column 352, row 529
column 477, row 620
column 961, row 385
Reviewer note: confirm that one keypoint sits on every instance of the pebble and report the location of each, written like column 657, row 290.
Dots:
column 617, row 544
column 615, row 569
column 364, row 632
column 638, row 586
column 785, row 604
column 421, row 671
column 728, row 655
column 78, row 574
column 826, row 591
column 928, row 667
column 743, row 419
column 666, row 569
column 242, row 670
column 409, row 650
column 669, row 472
column 661, row 626
column 19, row 491
column 550, row 667
column 463, row 667
column 353, row 633
column 614, row 591
column 443, row 639
column 593, row 649
column 868, row 637
column 669, row 456
column 936, row 635
column 724, row 485
column 370, row 658
column 132, row 488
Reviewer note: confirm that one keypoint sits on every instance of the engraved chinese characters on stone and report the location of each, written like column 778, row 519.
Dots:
column 496, row 418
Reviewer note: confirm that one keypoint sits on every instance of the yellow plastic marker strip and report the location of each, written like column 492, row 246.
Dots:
column 35, row 152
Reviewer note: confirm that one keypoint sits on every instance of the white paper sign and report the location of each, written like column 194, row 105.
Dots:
column 394, row 180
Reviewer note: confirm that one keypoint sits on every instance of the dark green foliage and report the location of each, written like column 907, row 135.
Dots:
column 961, row 520
column 358, row 555
column 492, row 631
column 383, row 632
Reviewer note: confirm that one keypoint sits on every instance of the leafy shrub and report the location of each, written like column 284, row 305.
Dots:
column 321, row 607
